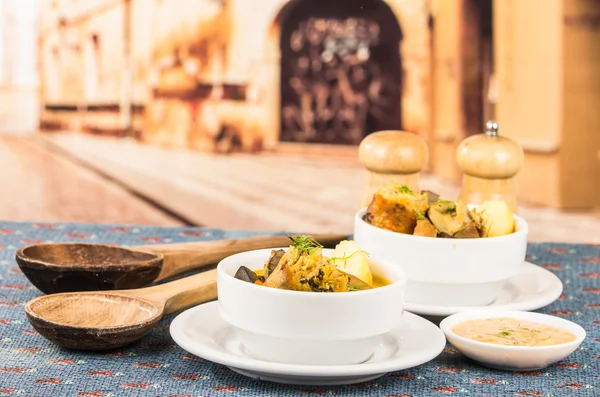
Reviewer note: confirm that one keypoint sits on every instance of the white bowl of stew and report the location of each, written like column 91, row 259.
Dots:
column 512, row 340
column 448, row 271
column 312, row 328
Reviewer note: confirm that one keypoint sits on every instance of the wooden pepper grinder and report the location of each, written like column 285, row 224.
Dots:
column 489, row 163
column 391, row 156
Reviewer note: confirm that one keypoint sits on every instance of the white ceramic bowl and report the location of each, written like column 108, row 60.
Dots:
column 310, row 328
column 447, row 271
column 512, row 358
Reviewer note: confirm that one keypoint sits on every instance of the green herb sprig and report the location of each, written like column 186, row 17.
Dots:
column 402, row 188
column 346, row 257
column 304, row 244
column 419, row 216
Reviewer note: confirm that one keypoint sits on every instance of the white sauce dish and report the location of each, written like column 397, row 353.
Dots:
column 522, row 341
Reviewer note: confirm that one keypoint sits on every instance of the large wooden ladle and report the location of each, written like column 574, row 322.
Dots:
column 68, row 267
column 108, row 320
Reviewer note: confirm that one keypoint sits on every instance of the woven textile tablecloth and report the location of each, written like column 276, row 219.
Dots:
column 156, row 366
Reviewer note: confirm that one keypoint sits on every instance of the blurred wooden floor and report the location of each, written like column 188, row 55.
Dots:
column 39, row 185
column 56, row 179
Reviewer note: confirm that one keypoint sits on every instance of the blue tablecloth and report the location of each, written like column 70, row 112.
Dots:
column 32, row 366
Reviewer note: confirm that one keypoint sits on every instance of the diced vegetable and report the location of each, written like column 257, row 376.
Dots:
column 245, row 274
column 395, row 207
column 350, row 258
column 497, row 218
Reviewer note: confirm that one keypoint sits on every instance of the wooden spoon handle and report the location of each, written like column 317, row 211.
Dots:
column 183, row 257
column 181, row 294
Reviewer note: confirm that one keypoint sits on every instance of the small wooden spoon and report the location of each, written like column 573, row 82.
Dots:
column 69, row 267
column 108, row 320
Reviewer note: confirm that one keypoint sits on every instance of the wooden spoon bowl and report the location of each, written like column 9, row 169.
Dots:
column 96, row 321
column 68, row 321
column 87, row 267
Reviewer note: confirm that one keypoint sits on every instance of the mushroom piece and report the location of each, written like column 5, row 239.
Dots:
column 245, row 274
column 273, row 262
column 478, row 219
column 446, row 217
column 468, row 231
column 431, row 196
column 444, row 235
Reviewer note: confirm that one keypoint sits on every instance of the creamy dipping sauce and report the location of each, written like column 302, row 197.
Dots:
column 513, row 332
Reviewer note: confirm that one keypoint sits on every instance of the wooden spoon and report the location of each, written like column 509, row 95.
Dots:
column 108, row 320
column 68, row 267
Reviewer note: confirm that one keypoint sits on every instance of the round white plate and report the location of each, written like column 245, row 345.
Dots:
column 533, row 288
column 202, row 331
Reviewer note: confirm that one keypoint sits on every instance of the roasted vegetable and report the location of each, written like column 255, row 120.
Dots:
column 302, row 267
column 279, row 278
column 245, row 274
column 273, row 261
column 313, row 273
column 395, row 207
column 478, row 220
column 497, row 218
column 446, row 217
column 431, row 196
column 468, row 230
column 425, row 228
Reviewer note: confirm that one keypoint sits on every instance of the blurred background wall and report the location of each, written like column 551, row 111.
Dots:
column 19, row 73
column 314, row 77
column 238, row 75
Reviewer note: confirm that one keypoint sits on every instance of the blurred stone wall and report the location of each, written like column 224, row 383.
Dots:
column 192, row 67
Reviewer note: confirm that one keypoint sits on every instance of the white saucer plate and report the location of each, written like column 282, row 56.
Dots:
column 533, row 288
column 202, row 332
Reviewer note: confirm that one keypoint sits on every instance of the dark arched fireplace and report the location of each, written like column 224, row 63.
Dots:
column 341, row 73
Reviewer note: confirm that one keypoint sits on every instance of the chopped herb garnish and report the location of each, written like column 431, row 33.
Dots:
column 305, row 244
column 354, row 288
column 450, row 210
column 403, row 189
column 503, row 333
column 420, row 216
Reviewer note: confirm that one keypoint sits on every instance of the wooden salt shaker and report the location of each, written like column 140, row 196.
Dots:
column 391, row 156
column 489, row 163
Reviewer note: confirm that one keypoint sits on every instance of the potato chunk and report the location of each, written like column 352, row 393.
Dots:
column 497, row 218
column 350, row 258
column 424, row 228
